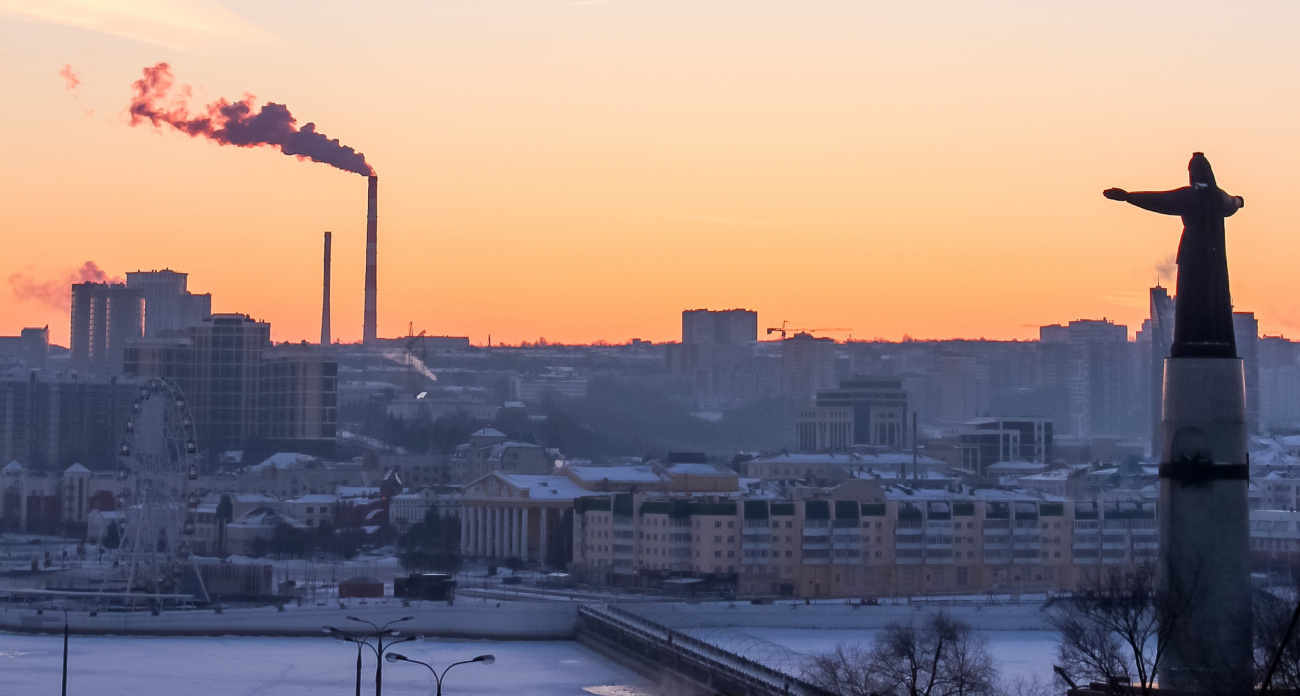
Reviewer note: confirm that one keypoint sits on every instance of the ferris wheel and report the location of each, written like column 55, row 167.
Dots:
column 158, row 460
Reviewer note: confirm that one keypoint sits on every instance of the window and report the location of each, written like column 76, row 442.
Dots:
column 717, row 524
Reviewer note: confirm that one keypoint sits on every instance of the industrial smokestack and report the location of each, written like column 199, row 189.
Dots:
column 369, row 328
column 325, row 300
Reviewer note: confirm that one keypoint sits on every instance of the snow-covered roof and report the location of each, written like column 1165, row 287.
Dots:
column 76, row 469
column 263, row 518
column 545, row 487
column 488, row 432
column 615, row 474
column 315, row 498
column 12, row 466
column 356, row 491
column 283, row 460
column 254, row 498
column 696, row 469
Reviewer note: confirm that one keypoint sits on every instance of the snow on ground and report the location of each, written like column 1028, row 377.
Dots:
column 1026, row 654
column 300, row 666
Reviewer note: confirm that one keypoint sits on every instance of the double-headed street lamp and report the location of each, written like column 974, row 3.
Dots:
column 361, row 638
column 397, row 657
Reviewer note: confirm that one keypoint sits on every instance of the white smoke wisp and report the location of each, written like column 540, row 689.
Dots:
column 1167, row 269
column 409, row 360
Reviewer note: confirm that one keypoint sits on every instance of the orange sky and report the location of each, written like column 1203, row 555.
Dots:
column 586, row 170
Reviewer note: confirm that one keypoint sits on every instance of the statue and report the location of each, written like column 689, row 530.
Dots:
column 1203, row 313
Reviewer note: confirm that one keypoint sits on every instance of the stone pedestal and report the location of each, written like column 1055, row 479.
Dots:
column 1205, row 527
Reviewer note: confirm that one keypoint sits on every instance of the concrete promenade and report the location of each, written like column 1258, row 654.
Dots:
column 486, row 620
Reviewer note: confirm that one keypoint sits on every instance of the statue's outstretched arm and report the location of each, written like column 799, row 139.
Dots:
column 1231, row 204
column 1163, row 202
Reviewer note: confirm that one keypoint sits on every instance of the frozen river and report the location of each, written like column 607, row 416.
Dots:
column 292, row 666
column 1018, row 654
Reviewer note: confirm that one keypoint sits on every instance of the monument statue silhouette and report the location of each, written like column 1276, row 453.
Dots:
column 1204, row 548
column 1203, row 313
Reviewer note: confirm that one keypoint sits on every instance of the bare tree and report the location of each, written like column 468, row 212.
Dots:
column 1277, row 647
column 1117, row 626
column 940, row 657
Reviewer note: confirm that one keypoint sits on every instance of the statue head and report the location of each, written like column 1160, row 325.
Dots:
column 1199, row 171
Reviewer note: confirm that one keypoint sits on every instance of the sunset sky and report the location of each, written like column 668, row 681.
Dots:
column 587, row 169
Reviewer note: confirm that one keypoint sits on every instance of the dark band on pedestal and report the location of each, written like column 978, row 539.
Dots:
column 1203, row 472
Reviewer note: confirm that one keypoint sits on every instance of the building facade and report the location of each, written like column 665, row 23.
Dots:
column 106, row 317
column 862, row 540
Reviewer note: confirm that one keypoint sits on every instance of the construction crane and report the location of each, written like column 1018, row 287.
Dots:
column 411, row 342
column 783, row 329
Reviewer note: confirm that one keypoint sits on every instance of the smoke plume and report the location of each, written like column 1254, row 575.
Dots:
column 57, row 292
column 1166, row 269
column 71, row 80
column 159, row 101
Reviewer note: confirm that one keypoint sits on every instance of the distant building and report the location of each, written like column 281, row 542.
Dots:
column 717, row 356
column 824, row 429
column 1246, row 330
column 1279, row 383
column 106, row 317
column 879, row 412
column 54, row 420
column 1161, row 339
column 728, row 327
column 168, row 304
column 1104, row 368
column 29, row 348
column 807, row 367
column 490, row 450
column 991, row 440
column 241, row 389
column 560, row 384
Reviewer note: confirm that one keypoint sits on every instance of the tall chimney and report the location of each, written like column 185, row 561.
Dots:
column 369, row 329
column 325, row 300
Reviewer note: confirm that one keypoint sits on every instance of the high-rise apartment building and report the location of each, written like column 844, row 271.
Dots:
column 1246, row 332
column 1103, row 367
column 54, row 420
column 168, row 304
column 728, row 327
column 807, row 367
column 1161, row 327
column 105, row 318
column 244, row 391
column 718, row 357
column 1279, row 383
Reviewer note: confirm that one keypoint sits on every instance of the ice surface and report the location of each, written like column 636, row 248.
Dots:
column 299, row 666
column 1017, row 654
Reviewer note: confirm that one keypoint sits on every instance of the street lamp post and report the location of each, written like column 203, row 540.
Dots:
column 398, row 657
column 379, row 647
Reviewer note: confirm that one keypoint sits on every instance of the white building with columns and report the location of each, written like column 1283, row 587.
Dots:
column 522, row 516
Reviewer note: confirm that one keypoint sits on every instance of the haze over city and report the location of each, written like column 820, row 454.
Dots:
column 581, row 171
column 649, row 348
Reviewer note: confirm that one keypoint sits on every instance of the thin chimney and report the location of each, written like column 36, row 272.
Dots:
column 369, row 329
column 325, row 300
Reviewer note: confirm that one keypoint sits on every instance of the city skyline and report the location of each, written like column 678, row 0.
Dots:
column 585, row 171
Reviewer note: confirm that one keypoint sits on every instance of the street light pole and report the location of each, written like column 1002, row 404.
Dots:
column 397, row 657
column 65, row 652
column 379, row 648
